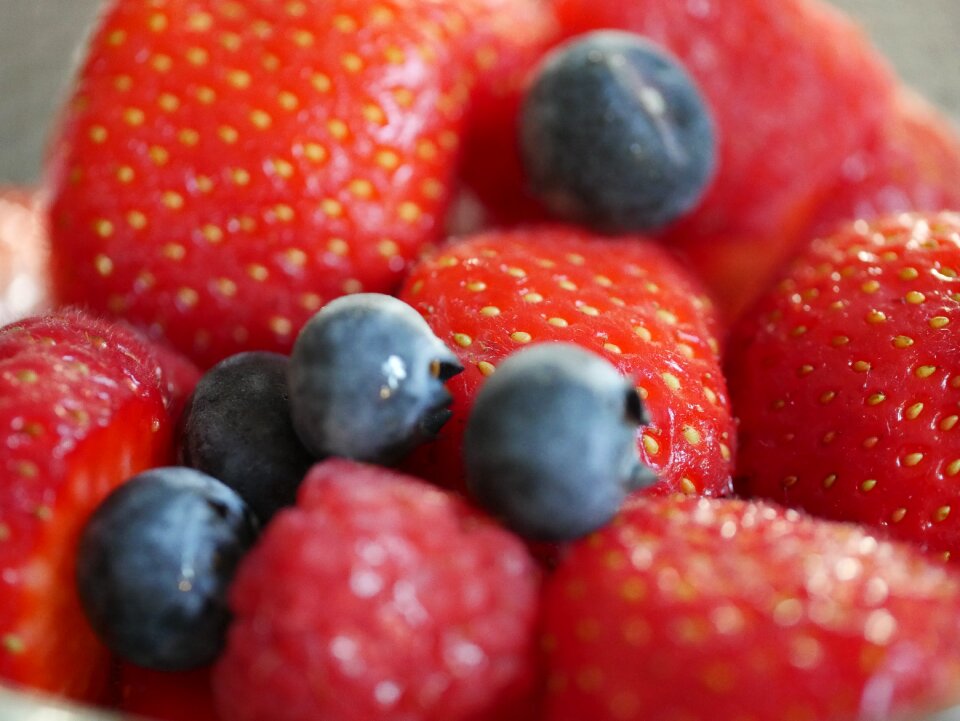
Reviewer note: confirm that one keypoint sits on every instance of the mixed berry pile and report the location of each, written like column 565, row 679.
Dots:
column 484, row 360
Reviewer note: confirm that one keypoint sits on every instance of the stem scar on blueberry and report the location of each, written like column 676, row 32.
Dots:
column 431, row 424
column 444, row 370
column 636, row 413
column 634, row 409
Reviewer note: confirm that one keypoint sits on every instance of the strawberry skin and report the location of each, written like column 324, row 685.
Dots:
column 912, row 163
column 226, row 167
column 83, row 405
column 845, row 378
column 737, row 269
column 626, row 299
column 731, row 610
column 507, row 40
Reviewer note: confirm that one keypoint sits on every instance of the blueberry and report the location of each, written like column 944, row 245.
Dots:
column 615, row 134
column 154, row 563
column 367, row 379
column 237, row 428
column 550, row 445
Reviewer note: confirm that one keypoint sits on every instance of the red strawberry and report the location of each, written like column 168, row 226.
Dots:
column 226, row 167
column 425, row 609
column 490, row 294
column 184, row 696
column 774, row 73
column 911, row 164
column 846, row 381
column 505, row 40
column 737, row 269
column 728, row 610
column 508, row 38
column 83, row 405
column 23, row 255
column 179, row 377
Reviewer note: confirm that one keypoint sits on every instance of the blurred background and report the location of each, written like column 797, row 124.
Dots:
column 40, row 41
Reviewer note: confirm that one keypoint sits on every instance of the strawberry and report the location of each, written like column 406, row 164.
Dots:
column 179, row 376
column 736, row 269
column 226, row 167
column 182, row 696
column 83, row 405
column 912, row 163
column 846, row 381
column 23, row 255
column 772, row 71
column 490, row 294
column 507, row 39
column 427, row 612
column 730, row 610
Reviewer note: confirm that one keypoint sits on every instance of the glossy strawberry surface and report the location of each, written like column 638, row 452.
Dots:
column 911, row 163
column 734, row 611
column 846, row 379
column 506, row 42
column 83, row 405
column 491, row 294
column 226, row 167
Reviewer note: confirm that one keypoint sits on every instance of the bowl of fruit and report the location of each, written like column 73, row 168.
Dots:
column 487, row 360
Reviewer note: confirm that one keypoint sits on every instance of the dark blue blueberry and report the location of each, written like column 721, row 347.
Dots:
column 154, row 563
column 551, row 442
column 237, row 428
column 367, row 379
column 616, row 135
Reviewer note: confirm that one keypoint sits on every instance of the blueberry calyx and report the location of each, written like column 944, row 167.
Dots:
column 445, row 369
